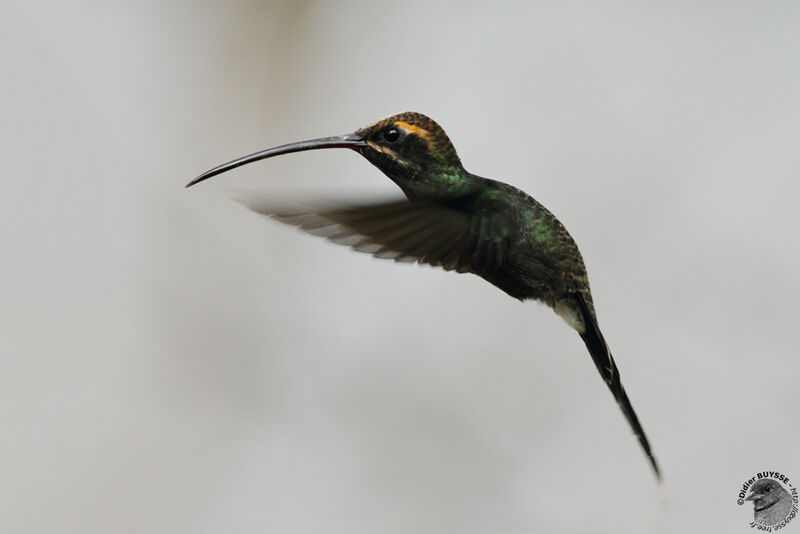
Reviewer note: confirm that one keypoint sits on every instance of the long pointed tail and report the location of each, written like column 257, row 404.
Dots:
column 608, row 370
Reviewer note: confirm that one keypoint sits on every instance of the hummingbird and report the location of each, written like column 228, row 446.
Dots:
column 458, row 221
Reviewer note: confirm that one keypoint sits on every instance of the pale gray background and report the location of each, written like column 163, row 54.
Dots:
column 170, row 362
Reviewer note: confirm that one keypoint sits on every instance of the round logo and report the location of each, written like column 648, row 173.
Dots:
column 775, row 500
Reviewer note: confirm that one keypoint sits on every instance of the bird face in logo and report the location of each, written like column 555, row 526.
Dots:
column 771, row 502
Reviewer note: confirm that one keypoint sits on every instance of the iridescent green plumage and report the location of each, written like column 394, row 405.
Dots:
column 460, row 222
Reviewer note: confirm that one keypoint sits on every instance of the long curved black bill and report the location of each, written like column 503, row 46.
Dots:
column 338, row 141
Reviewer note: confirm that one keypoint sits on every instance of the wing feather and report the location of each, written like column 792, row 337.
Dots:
column 444, row 235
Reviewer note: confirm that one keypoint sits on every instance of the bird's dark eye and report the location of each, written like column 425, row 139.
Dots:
column 767, row 489
column 391, row 134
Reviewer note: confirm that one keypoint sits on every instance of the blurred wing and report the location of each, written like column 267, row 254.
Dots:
column 440, row 235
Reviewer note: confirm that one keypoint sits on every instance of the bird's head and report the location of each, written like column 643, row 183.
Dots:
column 413, row 151
column 765, row 493
column 409, row 148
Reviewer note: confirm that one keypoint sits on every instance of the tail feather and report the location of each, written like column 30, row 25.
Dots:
column 608, row 370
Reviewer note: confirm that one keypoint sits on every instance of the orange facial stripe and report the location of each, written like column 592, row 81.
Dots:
column 410, row 128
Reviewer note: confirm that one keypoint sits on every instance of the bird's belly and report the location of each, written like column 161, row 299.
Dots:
column 522, row 287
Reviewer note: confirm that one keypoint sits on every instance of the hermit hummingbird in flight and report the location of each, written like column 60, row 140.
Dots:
column 458, row 221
